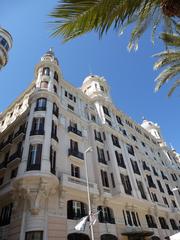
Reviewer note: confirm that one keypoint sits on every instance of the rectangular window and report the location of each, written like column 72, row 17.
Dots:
column 5, row 216
column 97, row 136
column 37, row 126
column 112, row 180
column 34, row 158
column 126, row 184
column 115, row 141
column 160, row 186
column 106, row 111
column 119, row 120
column 130, row 149
column 120, row 159
column 71, row 107
column 14, row 172
column 41, row 104
column 54, row 131
column 104, row 178
column 165, row 201
column 53, row 160
column 75, row 171
column 101, row 156
column 34, row 235
column 141, row 189
column 135, row 167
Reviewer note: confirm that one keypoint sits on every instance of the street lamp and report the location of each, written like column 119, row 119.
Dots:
column 89, row 149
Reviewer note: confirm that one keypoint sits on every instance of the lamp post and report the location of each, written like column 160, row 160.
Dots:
column 89, row 149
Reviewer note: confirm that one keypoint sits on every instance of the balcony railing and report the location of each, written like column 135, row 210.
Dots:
column 14, row 156
column 75, row 153
column 37, row 132
column 21, row 130
column 8, row 141
column 74, row 130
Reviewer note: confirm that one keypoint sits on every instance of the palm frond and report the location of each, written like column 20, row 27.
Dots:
column 171, row 39
column 173, row 88
column 166, row 75
column 167, row 58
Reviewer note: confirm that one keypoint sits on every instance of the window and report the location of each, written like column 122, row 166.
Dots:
column 70, row 96
column 75, row 171
column 109, row 122
column 163, row 176
column 141, row 189
column 160, row 186
column 169, row 190
column 163, row 223
column 173, row 224
column 150, row 181
column 112, row 180
column 126, row 184
column 37, row 126
column 44, row 84
column 106, row 111
column 129, row 123
column 76, row 209
column 34, row 158
column 108, row 156
column 101, row 156
column 71, row 107
column 165, row 201
column 119, row 120
column 174, row 177
column 93, row 118
column 150, row 221
column 115, row 141
column 102, row 88
column 143, row 144
column 56, row 76
column 105, row 215
column 34, row 235
column 54, row 131
column 129, row 218
column 41, row 104
column 98, row 136
column 1, row 180
column 130, row 149
column 53, row 160
column 154, row 171
column 154, row 197
column 46, row 71
column 55, row 110
column 174, row 204
column 4, row 43
column 74, row 145
column 55, row 88
column 104, row 178
column 5, row 216
column 134, row 138
column 14, row 172
column 135, row 167
column 120, row 159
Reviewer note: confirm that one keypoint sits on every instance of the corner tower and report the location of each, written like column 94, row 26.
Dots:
column 5, row 45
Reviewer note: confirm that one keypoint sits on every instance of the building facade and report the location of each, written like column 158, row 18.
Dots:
column 5, row 45
column 44, row 136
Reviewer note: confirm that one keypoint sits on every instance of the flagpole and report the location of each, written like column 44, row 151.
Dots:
column 89, row 149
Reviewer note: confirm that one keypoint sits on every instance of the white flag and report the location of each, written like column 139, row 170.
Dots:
column 82, row 224
column 94, row 218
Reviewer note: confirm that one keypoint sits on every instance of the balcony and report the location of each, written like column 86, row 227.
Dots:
column 77, row 183
column 6, row 143
column 75, row 153
column 15, row 157
column 21, row 130
column 43, row 108
column 74, row 130
column 37, row 132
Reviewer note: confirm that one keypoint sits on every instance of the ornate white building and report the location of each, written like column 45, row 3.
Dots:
column 43, row 137
column 5, row 45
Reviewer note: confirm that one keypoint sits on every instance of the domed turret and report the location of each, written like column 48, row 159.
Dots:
column 94, row 86
column 47, row 72
column 5, row 45
column 153, row 128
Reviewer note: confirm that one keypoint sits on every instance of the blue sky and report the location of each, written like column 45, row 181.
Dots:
column 130, row 75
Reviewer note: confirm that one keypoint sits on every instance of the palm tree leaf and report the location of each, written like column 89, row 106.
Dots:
column 166, row 58
column 166, row 75
column 171, row 39
column 175, row 85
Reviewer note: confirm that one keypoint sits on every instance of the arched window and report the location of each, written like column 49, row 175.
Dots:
column 108, row 237
column 46, row 71
column 76, row 209
column 44, row 84
column 56, row 76
column 78, row 236
column 106, row 215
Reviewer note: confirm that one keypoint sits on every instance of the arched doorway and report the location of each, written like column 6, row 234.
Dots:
column 78, row 236
column 108, row 237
